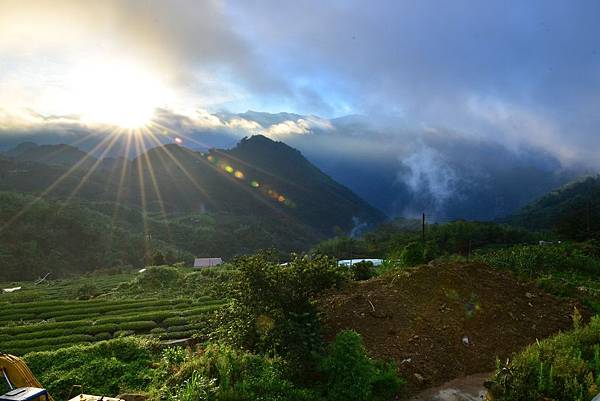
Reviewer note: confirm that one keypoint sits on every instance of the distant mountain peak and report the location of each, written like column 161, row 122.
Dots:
column 61, row 154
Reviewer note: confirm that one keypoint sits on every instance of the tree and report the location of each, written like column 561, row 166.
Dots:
column 158, row 258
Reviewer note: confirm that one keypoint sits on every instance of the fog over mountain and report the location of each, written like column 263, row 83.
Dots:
column 461, row 109
column 402, row 171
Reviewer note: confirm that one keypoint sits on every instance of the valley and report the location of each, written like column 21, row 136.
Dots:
column 92, row 265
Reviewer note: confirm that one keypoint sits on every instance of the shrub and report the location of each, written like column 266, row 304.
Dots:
column 272, row 311
column 412, row 254
column 137, row 326
column 565, row 367
column 106, row 367
column 102, row 336
column 362, row 270
column 87, row 291
column 159, row 277
column 222, row 373
column 353, row 376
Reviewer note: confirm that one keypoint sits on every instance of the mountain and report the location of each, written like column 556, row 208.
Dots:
column 401, row 169
column 260, row 194
column 50, row 154
column 572, row 210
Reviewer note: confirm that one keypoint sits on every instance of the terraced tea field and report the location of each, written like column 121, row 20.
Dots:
column 51, row 324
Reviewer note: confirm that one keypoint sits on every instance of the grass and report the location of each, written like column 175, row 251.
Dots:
column 565, row 367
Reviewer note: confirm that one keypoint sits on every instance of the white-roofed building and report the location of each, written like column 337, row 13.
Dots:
column 207, row 262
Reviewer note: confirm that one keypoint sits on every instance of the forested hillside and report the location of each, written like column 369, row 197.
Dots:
column 572, row 211
column 100, row 213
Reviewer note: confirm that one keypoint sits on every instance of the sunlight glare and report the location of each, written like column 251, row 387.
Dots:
column 116, row 93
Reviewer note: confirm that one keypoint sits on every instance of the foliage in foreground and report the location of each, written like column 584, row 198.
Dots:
column 565, row 367
column 568, row 270
column 272, row 310
column 104, row 368
column 222, row 373
column 351, row 375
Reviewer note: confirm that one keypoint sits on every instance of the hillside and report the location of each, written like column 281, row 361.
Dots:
column 51, row 154
column 261, row 194
column 573, row 211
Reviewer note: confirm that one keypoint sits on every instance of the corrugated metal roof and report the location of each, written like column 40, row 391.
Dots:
column 207, row 262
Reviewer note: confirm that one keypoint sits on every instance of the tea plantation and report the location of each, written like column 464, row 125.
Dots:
column 49, row 316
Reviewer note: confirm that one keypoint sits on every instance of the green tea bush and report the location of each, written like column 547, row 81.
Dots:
column 175, row 321
column 68, row 339
column 138, row 326
column 104, row 368
column 102, row 336
column 565, row 367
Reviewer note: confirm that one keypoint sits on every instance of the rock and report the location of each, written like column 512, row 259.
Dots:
column 465, row 340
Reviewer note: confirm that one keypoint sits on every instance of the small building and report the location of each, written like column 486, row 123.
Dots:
column 207, row 262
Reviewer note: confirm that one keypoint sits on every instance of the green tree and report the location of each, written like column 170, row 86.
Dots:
column 272, row 310
column 158, row 259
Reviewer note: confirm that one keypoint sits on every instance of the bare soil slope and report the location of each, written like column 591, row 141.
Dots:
column 439, row 323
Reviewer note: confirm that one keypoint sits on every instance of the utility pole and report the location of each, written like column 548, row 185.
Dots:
column 423, row 229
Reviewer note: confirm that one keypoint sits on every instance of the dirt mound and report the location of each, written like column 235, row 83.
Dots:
column 443, row 322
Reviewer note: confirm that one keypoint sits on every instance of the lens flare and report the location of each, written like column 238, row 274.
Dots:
column 229, row 169
column 239, row 174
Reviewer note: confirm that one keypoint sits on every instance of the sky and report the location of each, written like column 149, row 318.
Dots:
column 519, row 74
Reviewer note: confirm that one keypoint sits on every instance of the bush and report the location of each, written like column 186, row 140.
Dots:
column 107, row 367
column 565, row 367
column 87, row 291
column 362, row 270
column 412, row 254
column 353, row 376
column 272, row 310
column 222, row 373
column 159, row 277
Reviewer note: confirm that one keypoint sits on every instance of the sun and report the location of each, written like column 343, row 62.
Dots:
column 116, row 93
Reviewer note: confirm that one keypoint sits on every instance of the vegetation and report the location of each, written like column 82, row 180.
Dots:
column 565, row 367
column 35, row 320
column 222, row 203
column 391, row 240
column 564, row 269
column 108, row 367
column 573, row 212
column 272, row 310
column 266, row 343
column 255, row 319
column 352, row 375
